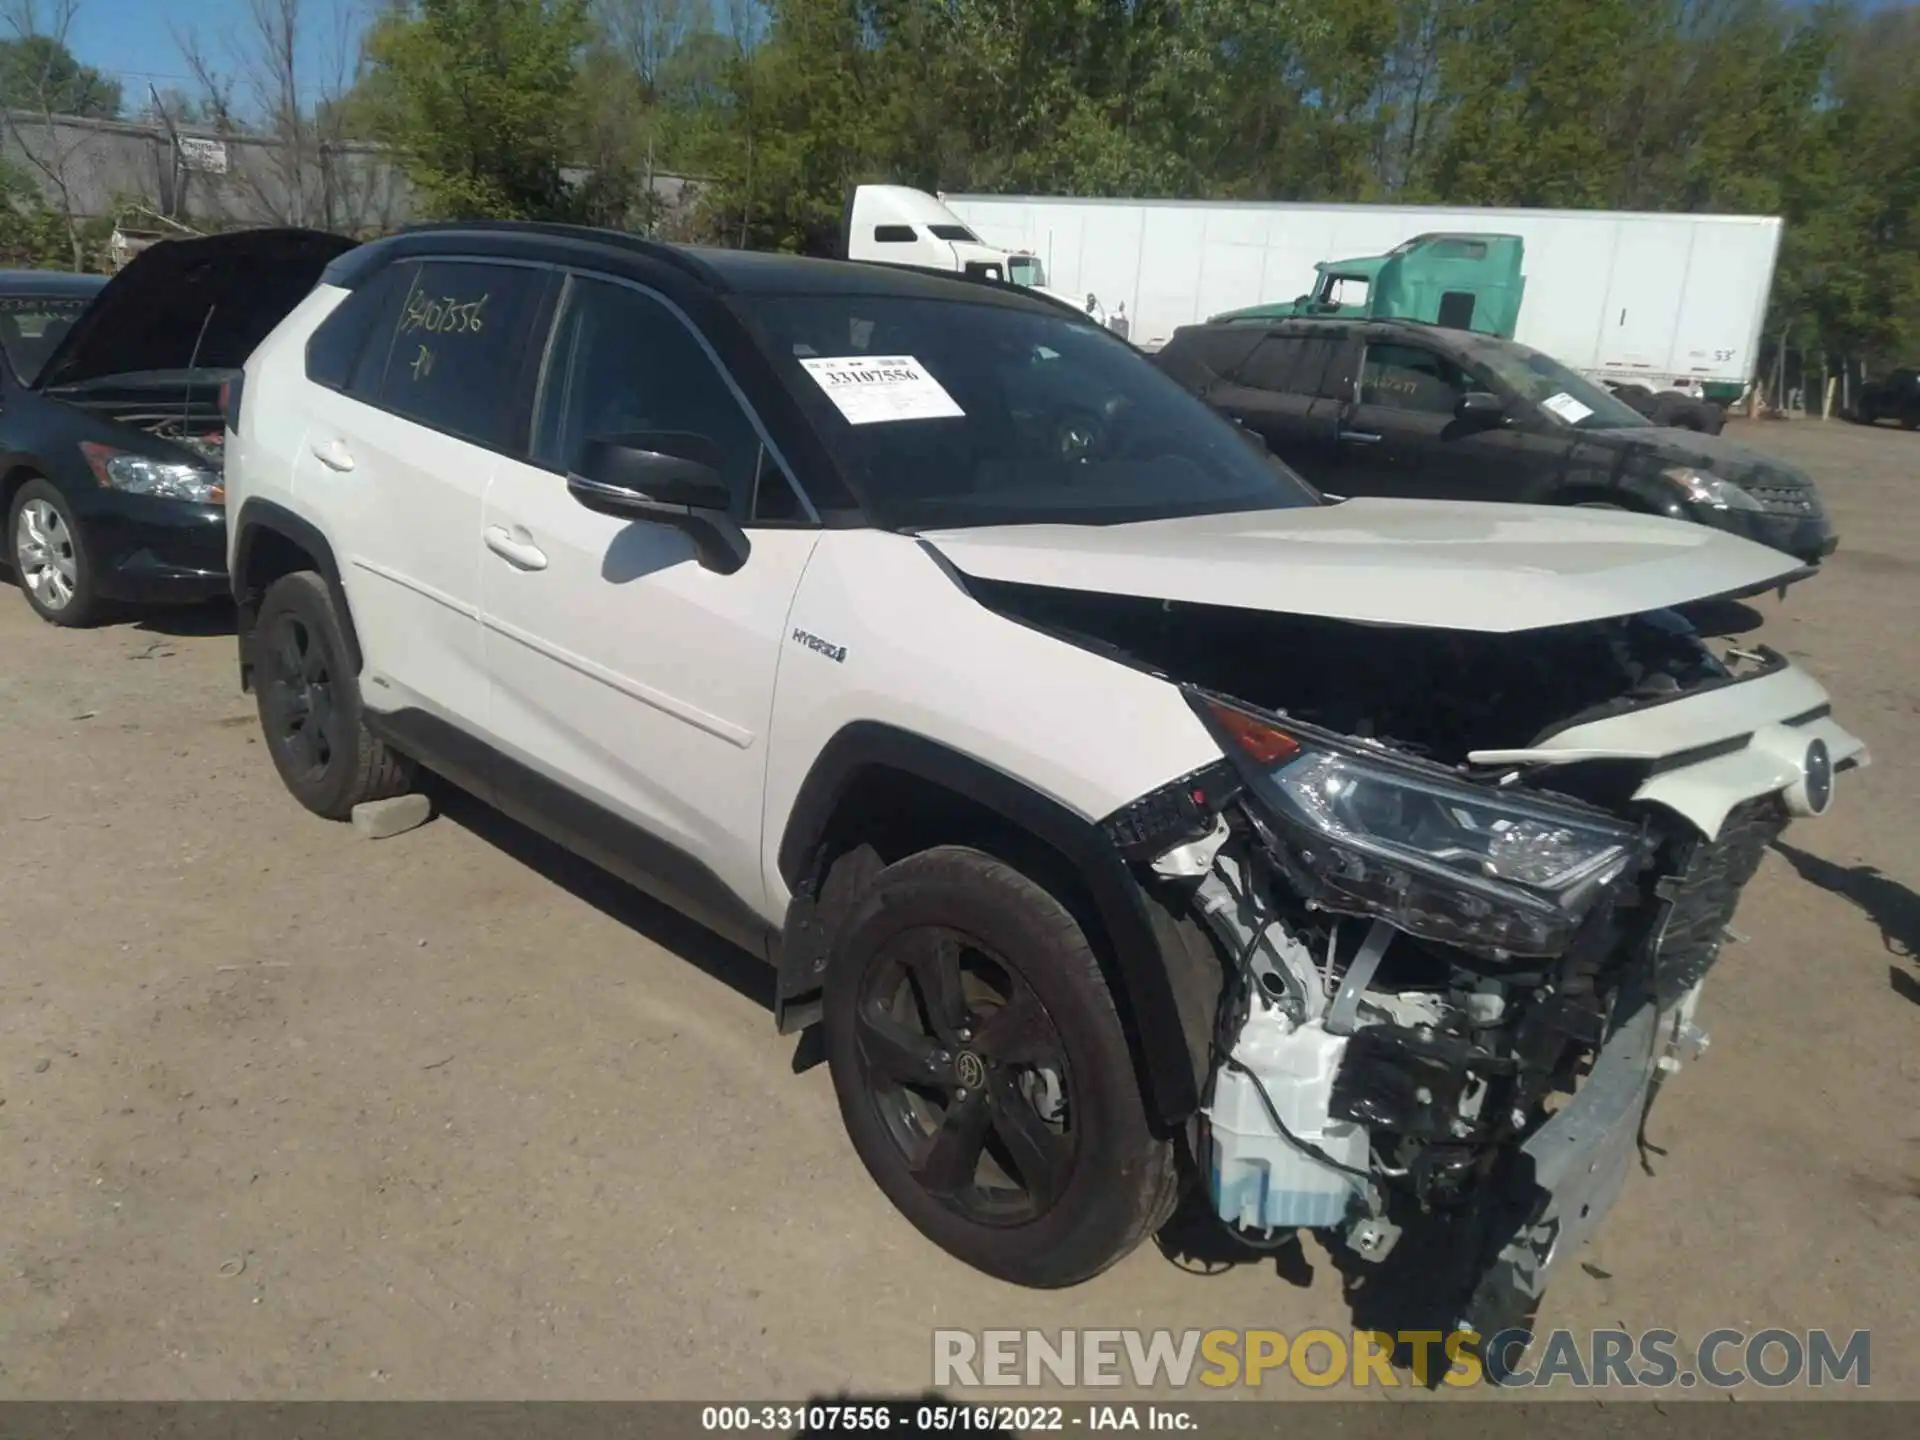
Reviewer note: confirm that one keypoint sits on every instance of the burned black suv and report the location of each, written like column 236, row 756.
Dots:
column 1385, row 407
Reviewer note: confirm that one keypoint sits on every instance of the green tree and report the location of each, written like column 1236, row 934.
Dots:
column 473, row 96
column 38, row 72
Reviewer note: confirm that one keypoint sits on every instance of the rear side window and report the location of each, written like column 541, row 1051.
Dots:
column 458, row 347
column 1289, row 364
column 335, row 349
column 1456, row 310
column 893, row 234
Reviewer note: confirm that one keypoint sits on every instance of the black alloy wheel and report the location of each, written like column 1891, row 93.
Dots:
column 968, row 1075
column 309, row 699
column 297, row 698
column 984, row 1074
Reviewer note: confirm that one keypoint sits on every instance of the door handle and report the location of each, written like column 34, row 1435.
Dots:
column 1359, row 437
column 333, row 454
column 522, row 554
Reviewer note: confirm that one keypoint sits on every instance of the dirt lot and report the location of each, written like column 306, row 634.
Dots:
column 288, row 1113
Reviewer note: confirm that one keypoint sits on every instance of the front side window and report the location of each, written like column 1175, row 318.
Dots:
column 1005, row 414
column 954, row 232
column 1027, row 270
column 1345, row 290
column 31, row 326
column 622, row 363
column 457, row 349
column 1412, row 377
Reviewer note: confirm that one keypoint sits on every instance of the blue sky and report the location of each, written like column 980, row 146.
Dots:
column 134, row 39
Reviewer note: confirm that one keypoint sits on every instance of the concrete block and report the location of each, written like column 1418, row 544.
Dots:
column 378, row 819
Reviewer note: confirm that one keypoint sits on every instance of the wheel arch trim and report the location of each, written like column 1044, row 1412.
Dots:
column 264, row 517
column 1122, row 907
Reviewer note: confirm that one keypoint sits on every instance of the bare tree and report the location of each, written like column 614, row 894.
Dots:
column 275, row 92
column 647, row 32
column 56, row 153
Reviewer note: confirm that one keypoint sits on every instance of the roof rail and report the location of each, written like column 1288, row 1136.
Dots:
column 590, row 234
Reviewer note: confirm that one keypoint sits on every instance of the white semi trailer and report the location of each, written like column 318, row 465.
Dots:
column 1663, row 301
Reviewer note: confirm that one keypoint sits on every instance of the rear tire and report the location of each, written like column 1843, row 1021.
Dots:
column 984, row 1076
column 309, row 702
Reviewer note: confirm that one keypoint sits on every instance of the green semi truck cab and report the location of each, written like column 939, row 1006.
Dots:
column 1464, row 282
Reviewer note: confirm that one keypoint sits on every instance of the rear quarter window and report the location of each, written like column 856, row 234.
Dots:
column 1197, row 357
column 336, row 348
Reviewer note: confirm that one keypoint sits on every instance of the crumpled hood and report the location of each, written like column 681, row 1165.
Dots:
column 1484, row 567
column 204, row 303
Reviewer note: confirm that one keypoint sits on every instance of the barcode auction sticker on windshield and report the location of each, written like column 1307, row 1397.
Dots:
column 872, row 389
column 1566, row 407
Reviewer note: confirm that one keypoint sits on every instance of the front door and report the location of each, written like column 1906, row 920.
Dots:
column 1403, row 436
column 1281, row 392
column 621, row 668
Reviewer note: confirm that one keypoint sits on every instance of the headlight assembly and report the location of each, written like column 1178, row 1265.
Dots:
column 1440, row 858
column 1705, row 489
column 143, row 475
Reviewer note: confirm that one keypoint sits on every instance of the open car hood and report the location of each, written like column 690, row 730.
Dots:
column 1484, row 567
column 192, row 303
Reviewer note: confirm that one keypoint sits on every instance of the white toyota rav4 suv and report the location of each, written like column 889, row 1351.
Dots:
column 1128, row 814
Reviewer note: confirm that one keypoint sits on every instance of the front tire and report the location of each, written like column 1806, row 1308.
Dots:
column 309, row 702
column 49, row 557
column 984, row 1076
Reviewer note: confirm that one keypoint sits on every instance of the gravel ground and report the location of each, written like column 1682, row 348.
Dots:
column 289, row 1113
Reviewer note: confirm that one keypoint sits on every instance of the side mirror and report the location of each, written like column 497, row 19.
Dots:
column 663, row 478
column 1481, row 408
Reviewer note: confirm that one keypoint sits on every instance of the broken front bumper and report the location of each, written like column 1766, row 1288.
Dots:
column 1576, row 1164
column 1569, row 1172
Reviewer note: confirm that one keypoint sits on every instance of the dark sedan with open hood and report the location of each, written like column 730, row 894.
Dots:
column 110, row 442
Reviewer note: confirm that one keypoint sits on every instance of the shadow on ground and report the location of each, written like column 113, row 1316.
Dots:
column 213, row 617
column 1884, row 901
column 667, row 928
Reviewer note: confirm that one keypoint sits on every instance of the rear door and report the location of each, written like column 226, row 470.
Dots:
column 1645, row 288
column 1283, row 391
column 397, row 457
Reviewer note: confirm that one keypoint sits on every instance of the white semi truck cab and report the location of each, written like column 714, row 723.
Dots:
column 898, row 225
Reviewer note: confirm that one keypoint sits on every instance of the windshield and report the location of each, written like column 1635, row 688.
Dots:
column 993, row 415
column 1026, row 270
column 30, row 327
column 1559, row 392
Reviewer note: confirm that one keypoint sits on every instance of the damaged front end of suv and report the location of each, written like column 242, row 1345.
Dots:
column 1465, row 889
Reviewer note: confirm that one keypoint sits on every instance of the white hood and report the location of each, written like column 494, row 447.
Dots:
column 1492, row 568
